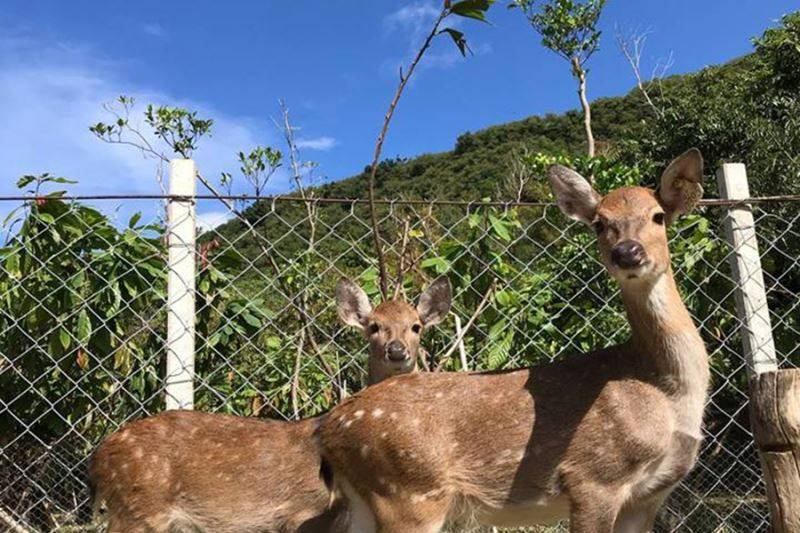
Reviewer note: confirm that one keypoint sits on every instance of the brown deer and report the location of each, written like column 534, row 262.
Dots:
column 600, row 439
column 193, row 471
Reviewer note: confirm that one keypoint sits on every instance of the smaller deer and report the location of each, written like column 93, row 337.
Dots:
column 601, row 438
column 193, row 471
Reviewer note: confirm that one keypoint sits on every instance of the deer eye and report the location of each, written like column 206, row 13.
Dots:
column 416, row 328
column 658, row 218
column 373, row 329
column 598, row 226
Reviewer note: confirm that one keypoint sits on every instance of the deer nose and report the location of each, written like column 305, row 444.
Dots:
column 396, row 351
column 628, row 254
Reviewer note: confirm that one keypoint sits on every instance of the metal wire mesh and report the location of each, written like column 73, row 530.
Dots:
column 83, row 325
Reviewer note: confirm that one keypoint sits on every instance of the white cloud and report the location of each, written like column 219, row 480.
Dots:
column 49, row 95
column 154, row 29
column 416, row 17
column 415, row 21
column 323, row 143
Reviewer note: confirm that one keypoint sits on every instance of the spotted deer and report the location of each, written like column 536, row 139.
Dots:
column 193, row 471
column 600, row 438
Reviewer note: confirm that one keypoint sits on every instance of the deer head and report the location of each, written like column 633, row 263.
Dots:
column 394, row 327
column 631, row 222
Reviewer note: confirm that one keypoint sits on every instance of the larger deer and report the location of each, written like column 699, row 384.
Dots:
column 190, row 471
column 600, row 439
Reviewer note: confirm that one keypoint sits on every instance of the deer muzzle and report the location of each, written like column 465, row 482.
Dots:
column 628, row 254
column 396, row 352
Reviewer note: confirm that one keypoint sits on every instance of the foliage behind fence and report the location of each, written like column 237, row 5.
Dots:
column 83, row 324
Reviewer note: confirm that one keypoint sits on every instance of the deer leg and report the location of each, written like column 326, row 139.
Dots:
column 593, row 512
column 362, row 519
column 401, row 515
column 641, row 517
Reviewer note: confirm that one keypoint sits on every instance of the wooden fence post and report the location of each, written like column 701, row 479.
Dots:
column 774, row 394
column 179, row 380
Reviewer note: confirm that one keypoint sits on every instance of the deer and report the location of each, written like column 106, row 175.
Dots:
column 600, row 439
column 194, row 471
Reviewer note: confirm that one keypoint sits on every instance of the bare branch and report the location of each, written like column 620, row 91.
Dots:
column 383, row 274
column 460, row 336
column 520, row 174
column 401, row 267
column 632, row 46
column 295, row 387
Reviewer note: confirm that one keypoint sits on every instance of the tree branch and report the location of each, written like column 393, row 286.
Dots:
column 580, row 73
column 404, row 77
column 632, row 47
column 460, row 336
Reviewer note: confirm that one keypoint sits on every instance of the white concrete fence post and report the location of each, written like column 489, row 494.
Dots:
column 751, row 296
column 179, row 382
column 774, row 393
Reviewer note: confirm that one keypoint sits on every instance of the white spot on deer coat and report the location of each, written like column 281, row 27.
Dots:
column 377, row 413
column 359, row 413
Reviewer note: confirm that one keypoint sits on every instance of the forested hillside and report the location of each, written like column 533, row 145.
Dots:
column 745, row 111
column 709, row 108
column 475, row 168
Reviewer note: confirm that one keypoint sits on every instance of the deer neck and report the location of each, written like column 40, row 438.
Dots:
column 666, row 340
column 377, row 371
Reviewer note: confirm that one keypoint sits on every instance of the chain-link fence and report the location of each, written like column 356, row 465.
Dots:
column 83, row 323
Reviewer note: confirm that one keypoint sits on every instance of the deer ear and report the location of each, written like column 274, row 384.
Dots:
column 681, row 188
column 352, row 303
column 434, row 304
column 575, row 197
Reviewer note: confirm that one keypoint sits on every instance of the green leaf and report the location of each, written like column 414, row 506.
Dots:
column 11, row 215
column 439, row 264
column 12, row 265
column 499, row 228
column 251, row 320
column 25, row 180
column 458, row 38
column 63, row 337
column 503, row 298
column 134, row 220
column 84, row 326
column 474, row 9
column 273, row 342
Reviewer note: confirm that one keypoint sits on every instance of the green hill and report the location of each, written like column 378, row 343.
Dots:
column 478, row 162
column 746, row 110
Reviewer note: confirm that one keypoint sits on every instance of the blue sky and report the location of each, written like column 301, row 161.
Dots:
column 335, row 64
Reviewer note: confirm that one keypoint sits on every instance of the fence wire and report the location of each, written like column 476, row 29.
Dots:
column 83, row 317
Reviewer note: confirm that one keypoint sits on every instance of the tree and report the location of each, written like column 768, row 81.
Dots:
column 473, row 9
column 568, row 28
